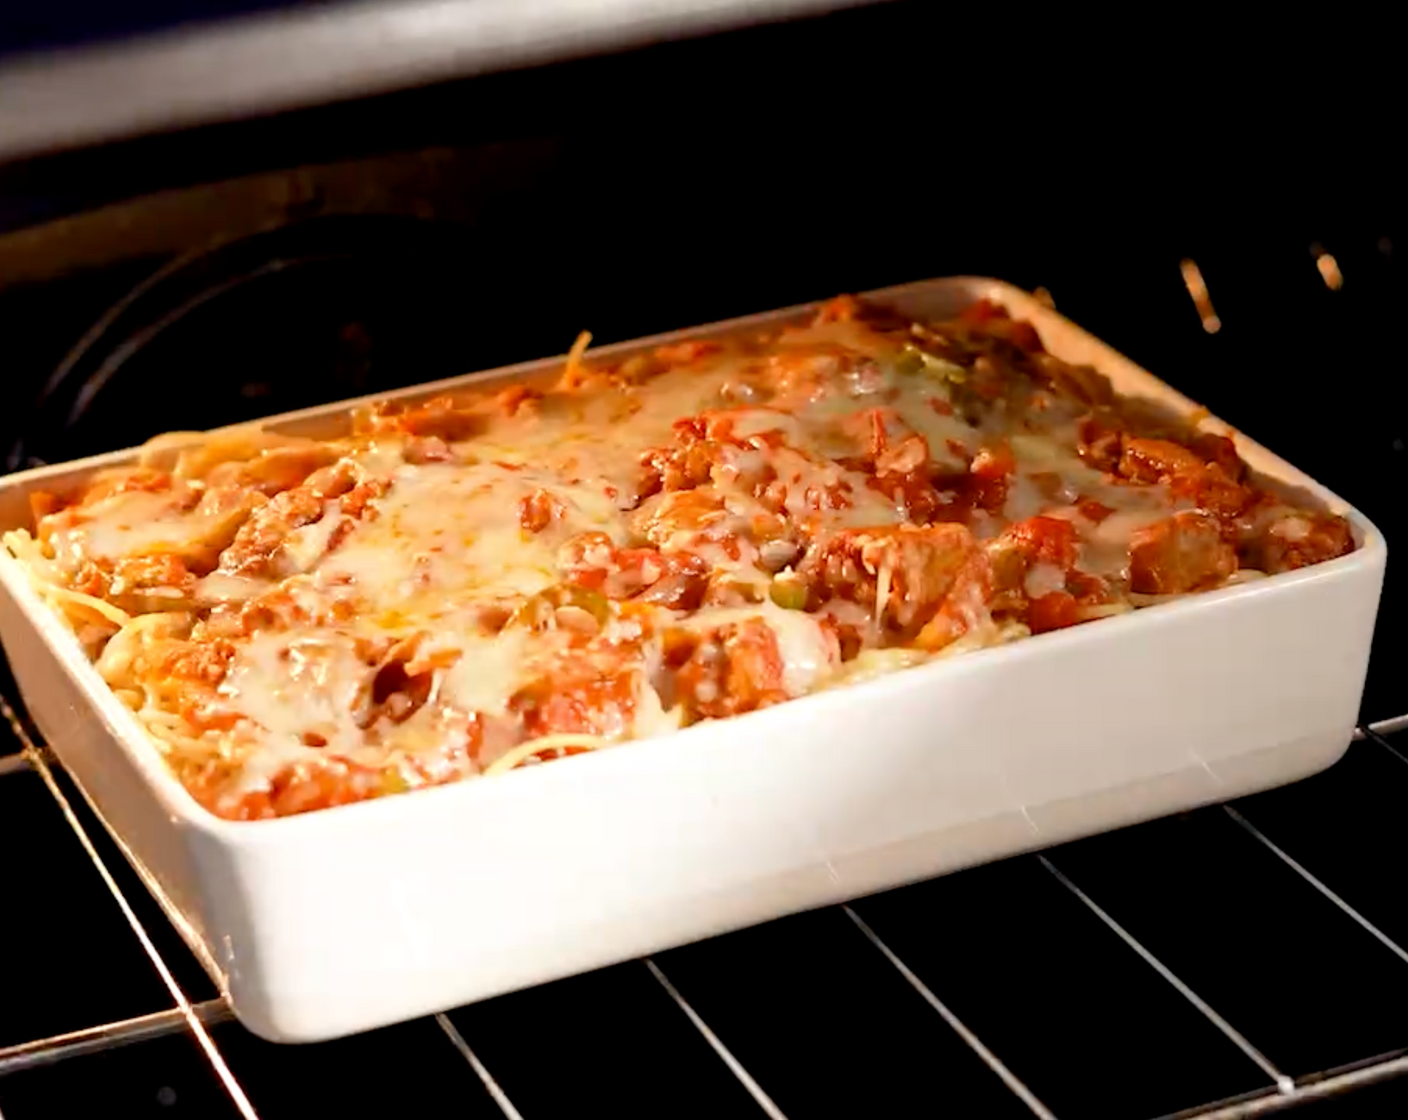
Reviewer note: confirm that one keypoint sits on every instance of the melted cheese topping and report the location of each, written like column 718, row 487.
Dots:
column 444, row 531
column 129, row 524
column 471, row 585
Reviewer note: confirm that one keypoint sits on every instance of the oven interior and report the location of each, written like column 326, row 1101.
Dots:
column 1229, row 962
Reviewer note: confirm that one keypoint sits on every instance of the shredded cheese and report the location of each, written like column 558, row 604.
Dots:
column 573, row 369
column 25, row 548
column 524, row 751
column 882, row 600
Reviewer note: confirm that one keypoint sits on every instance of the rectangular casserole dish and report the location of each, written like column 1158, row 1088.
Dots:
column 343, row 920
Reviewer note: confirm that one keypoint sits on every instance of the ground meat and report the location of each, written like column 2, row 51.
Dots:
column 583, row 698
column 298, row 788
column 1154, row 460
column 735, row 668
column 679, row 468
column 673, row 579
column 1210, row 484
column 538, row 510
column 923, row 565
column 427, row 449
column 1296, row 540
column 698, row 511
column 1053, row 611
column 137, row 579
column 1099, row 442
column 1049, row 540
column 274, row 470
column 202, row 662
column 989, row 476
column 266, row 530
column 256, row 546
column 443, row 417
column 1185, row 552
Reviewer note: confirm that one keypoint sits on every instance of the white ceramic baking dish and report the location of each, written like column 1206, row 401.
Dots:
column 350, row 918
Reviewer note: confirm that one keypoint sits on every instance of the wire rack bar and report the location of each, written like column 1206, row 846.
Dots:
column 143, row 1028
column 1315, row 1087
column 991, row 1060
column 1283, row 1082
column 183, row 1004
column 491, row 1086
column 1284, row 1092
column 755, row 1090
column 1349, row 910
column 1389, row 726
column 1376, row 736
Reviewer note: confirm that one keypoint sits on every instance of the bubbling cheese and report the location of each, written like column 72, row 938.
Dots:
column 443, row 531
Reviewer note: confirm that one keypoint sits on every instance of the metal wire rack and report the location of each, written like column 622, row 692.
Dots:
column 677, row 1001
column 196, row 1018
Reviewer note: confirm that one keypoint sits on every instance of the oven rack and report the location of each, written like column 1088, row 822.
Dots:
column 197, row 1018
column 1315, row 868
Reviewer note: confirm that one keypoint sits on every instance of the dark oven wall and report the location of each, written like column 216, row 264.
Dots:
column 195, row 279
